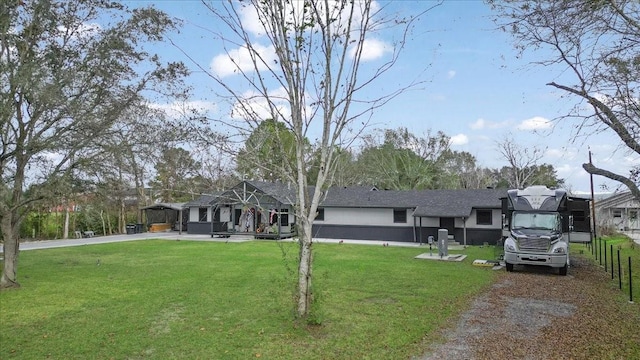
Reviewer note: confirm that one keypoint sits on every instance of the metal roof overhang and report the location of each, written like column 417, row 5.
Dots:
column 163, row 206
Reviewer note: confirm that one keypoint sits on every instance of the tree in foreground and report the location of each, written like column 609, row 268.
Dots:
column 598, row 42
column 302, row 63
column 65, row 79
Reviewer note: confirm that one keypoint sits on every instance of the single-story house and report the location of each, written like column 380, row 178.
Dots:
column 257, row 208
column 265, row 209
column 620, row 212
column 472, row 217
column 200, row 213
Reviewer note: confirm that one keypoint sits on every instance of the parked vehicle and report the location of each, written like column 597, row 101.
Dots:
column 539, row 223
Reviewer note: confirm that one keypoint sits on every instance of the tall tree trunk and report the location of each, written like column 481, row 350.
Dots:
column 109, row 225
column 10, row 252
column 65, row 231
column 304, row 271
column 104, row 228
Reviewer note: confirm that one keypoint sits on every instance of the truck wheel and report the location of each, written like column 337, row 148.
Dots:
column 509, row 266
column 563, row 270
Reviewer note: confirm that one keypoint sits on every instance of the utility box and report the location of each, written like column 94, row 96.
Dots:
column 443, row 242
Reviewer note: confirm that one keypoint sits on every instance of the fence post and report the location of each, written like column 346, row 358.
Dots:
column 619, row 271
column 611, row 252
column 630, row 283
column 600, row 251
column 605, row 256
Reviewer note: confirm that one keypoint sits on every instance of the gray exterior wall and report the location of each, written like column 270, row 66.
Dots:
column 199, row 228
column 402, row 234
column 363, row 232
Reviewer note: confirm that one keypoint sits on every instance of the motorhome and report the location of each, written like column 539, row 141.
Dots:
column 538, row 225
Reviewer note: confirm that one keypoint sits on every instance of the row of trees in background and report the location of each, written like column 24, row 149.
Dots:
column 398, row 159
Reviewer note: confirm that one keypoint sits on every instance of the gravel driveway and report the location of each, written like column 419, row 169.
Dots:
column 533, row 313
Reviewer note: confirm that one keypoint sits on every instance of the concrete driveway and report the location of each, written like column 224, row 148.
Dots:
column 48, row 244
column 173, row 235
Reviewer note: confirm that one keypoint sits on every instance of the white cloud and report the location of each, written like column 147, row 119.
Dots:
column 484, row 124
column 240, row 59
column 371, row 49
column 451, row 74
column 460, row 139
column 255, row 106
column 562, row 153
column 535, row 123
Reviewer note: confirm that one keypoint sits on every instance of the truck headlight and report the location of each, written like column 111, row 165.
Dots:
column 510, row 247
column 559, row 250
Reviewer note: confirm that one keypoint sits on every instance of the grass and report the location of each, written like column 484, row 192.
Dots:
column 188, row 300
column 628, row 249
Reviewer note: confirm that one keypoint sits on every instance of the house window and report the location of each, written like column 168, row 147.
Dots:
column 617, row 213
column 237, row 216
column 633, row 214
column 484, row 217
column 399, row 215
column 320, row 214
column 202, row 214
column 284, row 217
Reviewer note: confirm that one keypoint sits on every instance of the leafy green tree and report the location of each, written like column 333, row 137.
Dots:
column 176, row 175
column 401, row 160
column 270, row 147
column 463, row 172
column 68, row 70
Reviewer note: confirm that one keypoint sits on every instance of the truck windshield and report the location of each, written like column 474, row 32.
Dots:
column 536, row 221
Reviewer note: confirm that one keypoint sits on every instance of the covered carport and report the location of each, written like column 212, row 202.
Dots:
column 165, row 217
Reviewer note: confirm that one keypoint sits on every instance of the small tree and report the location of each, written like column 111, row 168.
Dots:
column 303, row 64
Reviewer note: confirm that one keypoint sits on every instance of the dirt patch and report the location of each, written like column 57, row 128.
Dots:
column 533, row 313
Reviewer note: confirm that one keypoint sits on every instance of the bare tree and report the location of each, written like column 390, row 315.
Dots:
column 64, row 80
column 522, row 161
column 598, row 43
column 304, row 67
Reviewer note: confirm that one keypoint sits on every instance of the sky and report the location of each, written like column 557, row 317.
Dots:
column 476, row 88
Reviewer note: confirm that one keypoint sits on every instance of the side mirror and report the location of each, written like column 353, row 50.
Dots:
column 505, row 225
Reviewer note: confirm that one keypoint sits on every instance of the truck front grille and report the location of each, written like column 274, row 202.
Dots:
column 534, row 244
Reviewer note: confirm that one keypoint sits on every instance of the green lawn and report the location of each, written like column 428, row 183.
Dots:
column 628, row 249
column 210, row 300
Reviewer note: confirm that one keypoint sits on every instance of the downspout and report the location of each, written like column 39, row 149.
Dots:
column 180, row 222
column 464, row 230
column 414, row 226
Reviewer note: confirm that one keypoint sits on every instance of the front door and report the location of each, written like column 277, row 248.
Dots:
column 448, row 223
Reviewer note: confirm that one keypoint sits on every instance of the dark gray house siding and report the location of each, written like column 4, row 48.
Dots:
column 362, row 232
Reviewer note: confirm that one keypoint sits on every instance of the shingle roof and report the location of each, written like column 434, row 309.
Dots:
column 459, row 203
column 204, row 200
column 443, row 203
column 436, row 203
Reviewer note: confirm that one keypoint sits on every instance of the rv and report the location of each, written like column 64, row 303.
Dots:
column 539, row 223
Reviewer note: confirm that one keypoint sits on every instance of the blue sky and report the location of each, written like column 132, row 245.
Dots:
column 476, row 89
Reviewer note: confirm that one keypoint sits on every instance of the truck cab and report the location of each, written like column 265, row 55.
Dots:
column 538, row 225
